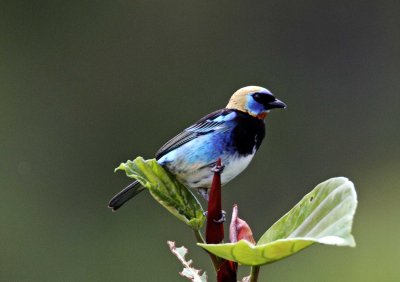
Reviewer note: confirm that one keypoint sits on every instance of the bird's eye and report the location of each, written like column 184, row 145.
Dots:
column 256, row 96
column 263, row 98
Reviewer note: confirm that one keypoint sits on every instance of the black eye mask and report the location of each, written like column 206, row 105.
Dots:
column 264, row 99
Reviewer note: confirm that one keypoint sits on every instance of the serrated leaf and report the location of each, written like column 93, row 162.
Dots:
column 195, row 275
column 325, row 216
column 166, row 190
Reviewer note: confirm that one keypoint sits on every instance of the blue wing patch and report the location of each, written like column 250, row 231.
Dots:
column 213, row 122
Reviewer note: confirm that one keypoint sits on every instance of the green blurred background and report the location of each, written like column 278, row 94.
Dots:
column 85, row 85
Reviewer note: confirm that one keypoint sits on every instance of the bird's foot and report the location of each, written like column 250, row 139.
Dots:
column 218, row 168
column 221, row 220
column 204, row 193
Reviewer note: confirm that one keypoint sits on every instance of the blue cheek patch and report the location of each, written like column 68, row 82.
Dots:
column 254, row 107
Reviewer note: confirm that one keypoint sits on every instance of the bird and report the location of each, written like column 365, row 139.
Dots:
column 233, row 134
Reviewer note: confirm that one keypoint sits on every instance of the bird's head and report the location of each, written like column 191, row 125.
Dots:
column 254, row 100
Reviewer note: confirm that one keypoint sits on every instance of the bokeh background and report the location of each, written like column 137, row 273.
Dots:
column 85, row 85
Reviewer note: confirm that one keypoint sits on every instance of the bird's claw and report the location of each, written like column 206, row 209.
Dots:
column 222, row 219
column 204, row 193
column 218, row 168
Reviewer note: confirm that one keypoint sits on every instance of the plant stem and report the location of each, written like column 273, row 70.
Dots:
column 255, row 270
column 216, row 262
column 199, row 237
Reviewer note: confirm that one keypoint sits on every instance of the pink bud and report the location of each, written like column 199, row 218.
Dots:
column 239, row 229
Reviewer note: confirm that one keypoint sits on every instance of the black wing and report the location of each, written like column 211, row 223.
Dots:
column 215, row 121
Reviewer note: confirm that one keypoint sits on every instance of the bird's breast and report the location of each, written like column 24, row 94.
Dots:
column 201, row 177
column 247, row 134
column 234, row 166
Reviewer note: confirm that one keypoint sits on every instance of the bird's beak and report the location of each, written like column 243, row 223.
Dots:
column 276, row 104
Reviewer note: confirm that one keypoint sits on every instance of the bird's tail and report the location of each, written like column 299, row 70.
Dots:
column 126, row 194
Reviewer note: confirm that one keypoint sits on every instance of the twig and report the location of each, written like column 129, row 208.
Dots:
column 255, row 270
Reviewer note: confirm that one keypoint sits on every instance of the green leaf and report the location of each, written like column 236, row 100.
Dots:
column 166, row 190
column 325, row 216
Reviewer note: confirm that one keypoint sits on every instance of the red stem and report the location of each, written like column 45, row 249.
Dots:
column 215, row 229
column 227, row 271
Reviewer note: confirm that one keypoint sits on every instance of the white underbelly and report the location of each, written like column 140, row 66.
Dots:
column 202, row 178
